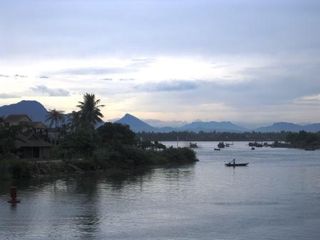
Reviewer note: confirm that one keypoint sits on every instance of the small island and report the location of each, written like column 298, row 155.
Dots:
column 72, row 143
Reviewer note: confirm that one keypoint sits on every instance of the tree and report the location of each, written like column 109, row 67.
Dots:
column 55, row 118
column 116, row 133
column 90, row 113
column 73, row 121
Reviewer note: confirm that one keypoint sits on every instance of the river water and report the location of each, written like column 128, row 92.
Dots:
column 276, row 197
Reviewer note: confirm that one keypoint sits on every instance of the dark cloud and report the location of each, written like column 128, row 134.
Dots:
column 168, row 86
column 43, row 90
column 5, row 95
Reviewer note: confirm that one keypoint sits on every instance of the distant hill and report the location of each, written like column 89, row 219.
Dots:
column 35, row 110
column 138, row 125
column 289, row 127
column 212, row 126
column 135, row 123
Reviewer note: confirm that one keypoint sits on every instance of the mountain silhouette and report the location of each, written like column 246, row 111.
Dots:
column 212, row 126
column 35, row 110
column 139, row 125
column 135, row 123
column 289, row 127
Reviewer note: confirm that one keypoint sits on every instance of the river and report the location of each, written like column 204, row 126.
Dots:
column 277, row 196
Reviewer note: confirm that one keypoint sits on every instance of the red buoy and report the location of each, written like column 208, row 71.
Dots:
column 13, row 195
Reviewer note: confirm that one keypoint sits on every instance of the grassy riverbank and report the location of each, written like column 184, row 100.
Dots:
column 128, row 159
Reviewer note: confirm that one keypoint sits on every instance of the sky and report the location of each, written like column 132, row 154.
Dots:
column 249, row 62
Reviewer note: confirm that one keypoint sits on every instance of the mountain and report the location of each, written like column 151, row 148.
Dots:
column 135, row 124
column 35, row 110
column 289, row 127
column 138, row 125
column 164, row 124
column 315, row 127
column 212, row 126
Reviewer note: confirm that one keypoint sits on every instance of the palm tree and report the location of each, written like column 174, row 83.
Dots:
column 73, row 120
column 55, row 118
column 90, row 113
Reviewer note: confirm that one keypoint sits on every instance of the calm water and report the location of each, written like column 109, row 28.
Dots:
column 276, row 197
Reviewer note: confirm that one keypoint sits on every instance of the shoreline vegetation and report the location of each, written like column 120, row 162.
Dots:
column 80, row 147
column 301, row 140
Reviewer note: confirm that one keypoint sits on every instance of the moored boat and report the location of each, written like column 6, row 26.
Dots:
column 193, row 145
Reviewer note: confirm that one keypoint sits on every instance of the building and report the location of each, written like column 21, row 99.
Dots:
column 32, row 142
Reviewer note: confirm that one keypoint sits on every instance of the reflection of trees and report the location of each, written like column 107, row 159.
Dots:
column 88, row 197
column 129, row 177
column 175, row 174
column 88, row 220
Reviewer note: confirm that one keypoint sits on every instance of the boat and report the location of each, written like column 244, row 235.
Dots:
column 221, row 145
column 252, row 148
column 310, row 149
column 234, row 164
column 193, row 145
column 217, row 149
column 255, row 144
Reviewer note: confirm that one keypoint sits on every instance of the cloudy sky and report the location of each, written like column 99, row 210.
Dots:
column 252, row 62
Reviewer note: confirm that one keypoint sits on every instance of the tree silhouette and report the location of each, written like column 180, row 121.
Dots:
column 90, row 113
column 55, row 118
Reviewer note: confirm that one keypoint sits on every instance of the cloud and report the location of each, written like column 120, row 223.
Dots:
column 126, row 79
column 43, row 76
column 91, row 71
column 54, row 92
column 5, row 95
column 168, row 86
column 20, row 76
column 4, row 76
column 308, row 100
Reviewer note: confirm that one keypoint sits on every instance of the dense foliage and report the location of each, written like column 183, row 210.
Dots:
column 304, row 139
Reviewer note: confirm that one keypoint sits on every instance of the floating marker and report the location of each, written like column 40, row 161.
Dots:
column 13, row 195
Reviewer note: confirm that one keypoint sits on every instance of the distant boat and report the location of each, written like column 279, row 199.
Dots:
column 217, row 149
column 252, row 148
column 221, row 145
column 234, row 164
column 193, row 145
column 255, row 144
column 310, row 149
column 227, row 144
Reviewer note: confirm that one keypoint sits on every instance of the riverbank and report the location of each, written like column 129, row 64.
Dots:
column 107, row 162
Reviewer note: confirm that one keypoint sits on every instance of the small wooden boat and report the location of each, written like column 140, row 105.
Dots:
column 236, row 164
